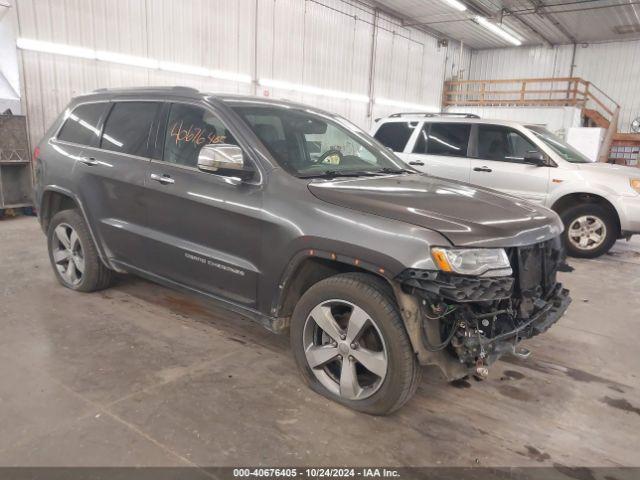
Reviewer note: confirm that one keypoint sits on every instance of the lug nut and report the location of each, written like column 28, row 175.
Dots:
column 354, row 345
column 351, row 358
column 339, row 357
column 343, row 336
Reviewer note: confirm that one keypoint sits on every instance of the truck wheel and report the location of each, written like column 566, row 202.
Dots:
column 73, row 255
column 589, row 230
column 350, row 344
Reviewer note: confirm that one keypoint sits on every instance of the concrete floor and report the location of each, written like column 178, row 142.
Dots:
column 142, row 375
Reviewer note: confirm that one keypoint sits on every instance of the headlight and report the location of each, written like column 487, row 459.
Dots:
column 472, row 261
column 635, row 184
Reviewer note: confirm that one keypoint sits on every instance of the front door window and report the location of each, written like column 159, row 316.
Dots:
column 189, row 128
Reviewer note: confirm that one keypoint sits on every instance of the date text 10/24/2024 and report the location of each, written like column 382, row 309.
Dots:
column 316, row 473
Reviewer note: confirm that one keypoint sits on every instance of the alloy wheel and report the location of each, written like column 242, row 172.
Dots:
column 345, row 349
column 67, row 254
column 587, row 232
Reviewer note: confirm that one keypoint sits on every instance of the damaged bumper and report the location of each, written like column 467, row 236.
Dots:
column 464, row 323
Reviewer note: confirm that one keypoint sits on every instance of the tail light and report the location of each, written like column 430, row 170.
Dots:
column 36, row 153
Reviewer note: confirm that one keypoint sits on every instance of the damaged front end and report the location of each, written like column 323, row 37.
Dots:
column 464, row 323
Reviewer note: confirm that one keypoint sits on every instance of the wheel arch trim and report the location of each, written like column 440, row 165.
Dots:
column 68, row 193
column 342, row 262
column 571, row 198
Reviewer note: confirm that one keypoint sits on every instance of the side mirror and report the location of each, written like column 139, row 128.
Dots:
column 215, row 157
column 535, row 158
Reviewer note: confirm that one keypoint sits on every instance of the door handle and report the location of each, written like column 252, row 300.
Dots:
column 419, row 163
column 88, row 161
column 164, row 179
column 482, row 169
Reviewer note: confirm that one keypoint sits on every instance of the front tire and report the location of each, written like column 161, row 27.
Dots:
column 73, row 254
column 589, row 230
column 350, row 344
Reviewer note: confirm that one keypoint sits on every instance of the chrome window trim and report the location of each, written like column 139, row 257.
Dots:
column 87, row 147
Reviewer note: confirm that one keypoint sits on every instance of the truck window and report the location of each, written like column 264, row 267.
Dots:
column 394, row 135
column 311, row 144
column 502, row 144
column 449, row 139
column 190, row 128
column 128, row 127
column 81, row 126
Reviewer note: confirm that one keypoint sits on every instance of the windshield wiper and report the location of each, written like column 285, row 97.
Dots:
column 394, row 170
column 338, row 173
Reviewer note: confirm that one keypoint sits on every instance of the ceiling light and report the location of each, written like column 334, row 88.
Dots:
column 55, row 48
column 323, row 92
column 236, row 77
column 498, row 31
column 461, row 7
column 182, row 68
column 122, row 59
column 511, row 32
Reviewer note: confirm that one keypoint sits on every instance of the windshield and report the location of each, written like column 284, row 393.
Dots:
column 562, row 148
column 315, row 145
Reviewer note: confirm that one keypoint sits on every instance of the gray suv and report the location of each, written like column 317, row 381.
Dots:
column 301, row 221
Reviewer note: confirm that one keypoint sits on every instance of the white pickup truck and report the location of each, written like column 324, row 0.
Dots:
column 598, row 202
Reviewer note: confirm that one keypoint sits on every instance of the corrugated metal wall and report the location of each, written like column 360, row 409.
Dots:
column 326, row 44
column 613, row 67
column 521, row 62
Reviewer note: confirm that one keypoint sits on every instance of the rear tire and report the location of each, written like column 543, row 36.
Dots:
column 73, row 254
column 368, row 331
column 589, row 230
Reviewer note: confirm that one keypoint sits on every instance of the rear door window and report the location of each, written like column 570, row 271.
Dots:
column 82, row 124
column 448, row 139
column 394, row 135
column 503, row 144
column 129, row 126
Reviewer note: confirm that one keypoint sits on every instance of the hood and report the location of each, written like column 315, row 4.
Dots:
column 610, row 168
column 467, row 215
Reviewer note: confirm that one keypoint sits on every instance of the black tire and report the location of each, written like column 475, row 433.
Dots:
column 571, row 214
column 96, row 276
column 375, row 297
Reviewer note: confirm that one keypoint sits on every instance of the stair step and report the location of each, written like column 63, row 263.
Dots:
column 596, row 117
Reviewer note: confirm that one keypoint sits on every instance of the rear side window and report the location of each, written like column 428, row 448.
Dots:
column 450, row 139
column 81, row 126
column 128, row 127
column 502, row 144
column 394, row 135
column 190, row 128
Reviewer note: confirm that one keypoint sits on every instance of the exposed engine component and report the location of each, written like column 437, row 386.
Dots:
column 480, row 319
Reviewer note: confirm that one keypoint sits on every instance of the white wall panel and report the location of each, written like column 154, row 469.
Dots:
column 613, row 67
column 521, row 63
column 319, row 43
column 409, row 66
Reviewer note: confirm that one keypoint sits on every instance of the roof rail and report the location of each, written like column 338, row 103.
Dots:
column 431, row 114
column 185, row 89
column 177, row 88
